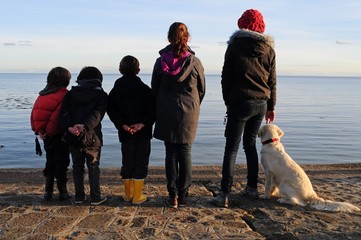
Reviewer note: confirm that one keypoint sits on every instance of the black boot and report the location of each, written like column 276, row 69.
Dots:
column 63, row 191
column 49, row 187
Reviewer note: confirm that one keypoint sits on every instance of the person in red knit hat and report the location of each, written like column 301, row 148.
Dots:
column 249, row 93
column 252, row 20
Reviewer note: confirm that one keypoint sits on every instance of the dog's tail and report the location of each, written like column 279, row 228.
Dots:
column 327, row 205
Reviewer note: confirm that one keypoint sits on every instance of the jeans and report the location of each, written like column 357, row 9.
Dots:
column 243, row 118
column 135, row 159
column 90, row 156
column 57, row 159
column 178, row 166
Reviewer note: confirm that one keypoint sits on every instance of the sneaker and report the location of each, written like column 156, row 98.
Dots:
column 221, row 200
column 172, row 202
column 79, row 200
column 100, row 201
column 183, row 201
column 250, row 192
column 64, row 196
column 48, row 196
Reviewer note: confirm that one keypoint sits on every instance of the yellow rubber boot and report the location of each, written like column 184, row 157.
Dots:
column 138, row 196
column 128, row 190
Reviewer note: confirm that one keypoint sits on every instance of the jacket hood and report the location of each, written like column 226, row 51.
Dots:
column 86, row 91
column 176, row 68
column 90, row 83
column 245, row 33
column 253, row 43
column 172, row 65
column 48, row 90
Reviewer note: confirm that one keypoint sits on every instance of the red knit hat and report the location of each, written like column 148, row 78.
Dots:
column 252, row 20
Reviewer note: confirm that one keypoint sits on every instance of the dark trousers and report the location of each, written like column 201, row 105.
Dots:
column 178, row 166
column 135, row 158
column 89, row 156
column 244, row 118
column 57, row 159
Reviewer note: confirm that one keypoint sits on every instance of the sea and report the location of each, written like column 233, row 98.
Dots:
column 320, row 116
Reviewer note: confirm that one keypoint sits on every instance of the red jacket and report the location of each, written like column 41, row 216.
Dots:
column 45, row 114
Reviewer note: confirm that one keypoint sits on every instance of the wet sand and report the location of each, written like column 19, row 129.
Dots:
column 25, row 215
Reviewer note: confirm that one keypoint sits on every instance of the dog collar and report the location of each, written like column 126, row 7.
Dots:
column 270, row 140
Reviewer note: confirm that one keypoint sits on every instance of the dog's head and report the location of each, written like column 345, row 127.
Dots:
column 269, row 131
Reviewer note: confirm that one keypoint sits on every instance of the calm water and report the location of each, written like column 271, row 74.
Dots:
column 320, row 116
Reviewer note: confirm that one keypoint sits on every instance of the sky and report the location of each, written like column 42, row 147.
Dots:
column 312, row 37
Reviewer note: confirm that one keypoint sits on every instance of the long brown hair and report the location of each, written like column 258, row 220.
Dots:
column 178, row 36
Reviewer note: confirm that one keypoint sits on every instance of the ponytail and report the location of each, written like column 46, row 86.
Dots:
column 178, row 36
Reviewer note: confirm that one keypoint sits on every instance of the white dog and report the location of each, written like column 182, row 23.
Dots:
column 286, row 179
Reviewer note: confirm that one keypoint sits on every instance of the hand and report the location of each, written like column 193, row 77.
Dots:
column 42, row 136
column 270, row 116
column 128, row 129
column 133, row 128
column 137, row 126
column 74, row 130
column 80, row 127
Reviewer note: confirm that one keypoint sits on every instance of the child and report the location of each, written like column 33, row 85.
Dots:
column 45, row 123
column 131, row 108
column 83, row 109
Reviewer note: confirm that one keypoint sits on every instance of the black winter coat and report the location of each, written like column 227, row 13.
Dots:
column 178, row 100
column 130, row 102
column 85, row 104
column 249, row 70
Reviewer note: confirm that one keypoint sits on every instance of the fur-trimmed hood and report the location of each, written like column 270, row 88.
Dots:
column 245, row 33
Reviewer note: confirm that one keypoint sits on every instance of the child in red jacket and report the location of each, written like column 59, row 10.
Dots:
column 45, row 123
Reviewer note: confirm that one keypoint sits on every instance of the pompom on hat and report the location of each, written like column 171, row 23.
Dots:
column 252, row 20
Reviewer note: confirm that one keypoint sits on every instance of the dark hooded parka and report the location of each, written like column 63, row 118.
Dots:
column 179, row 87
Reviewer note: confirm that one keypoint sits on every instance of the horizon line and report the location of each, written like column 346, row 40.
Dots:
column 209, row 74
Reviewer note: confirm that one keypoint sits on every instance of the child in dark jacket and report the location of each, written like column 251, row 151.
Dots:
column 45, row 123
column 83, row 109
column 131, row 108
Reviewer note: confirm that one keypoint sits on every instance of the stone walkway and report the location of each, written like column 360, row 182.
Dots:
column 25, row 215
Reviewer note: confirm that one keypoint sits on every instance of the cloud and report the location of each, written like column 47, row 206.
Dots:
column 343, row 42
column 9, row 44
column 24, row 43
column 18, row 43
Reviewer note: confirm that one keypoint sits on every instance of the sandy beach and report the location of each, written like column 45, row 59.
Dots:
column 25, row 215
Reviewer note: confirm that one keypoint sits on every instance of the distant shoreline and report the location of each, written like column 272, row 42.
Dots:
column 207, row 74
column 213, row 166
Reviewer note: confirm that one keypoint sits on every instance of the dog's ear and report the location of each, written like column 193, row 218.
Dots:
column 280, row 132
